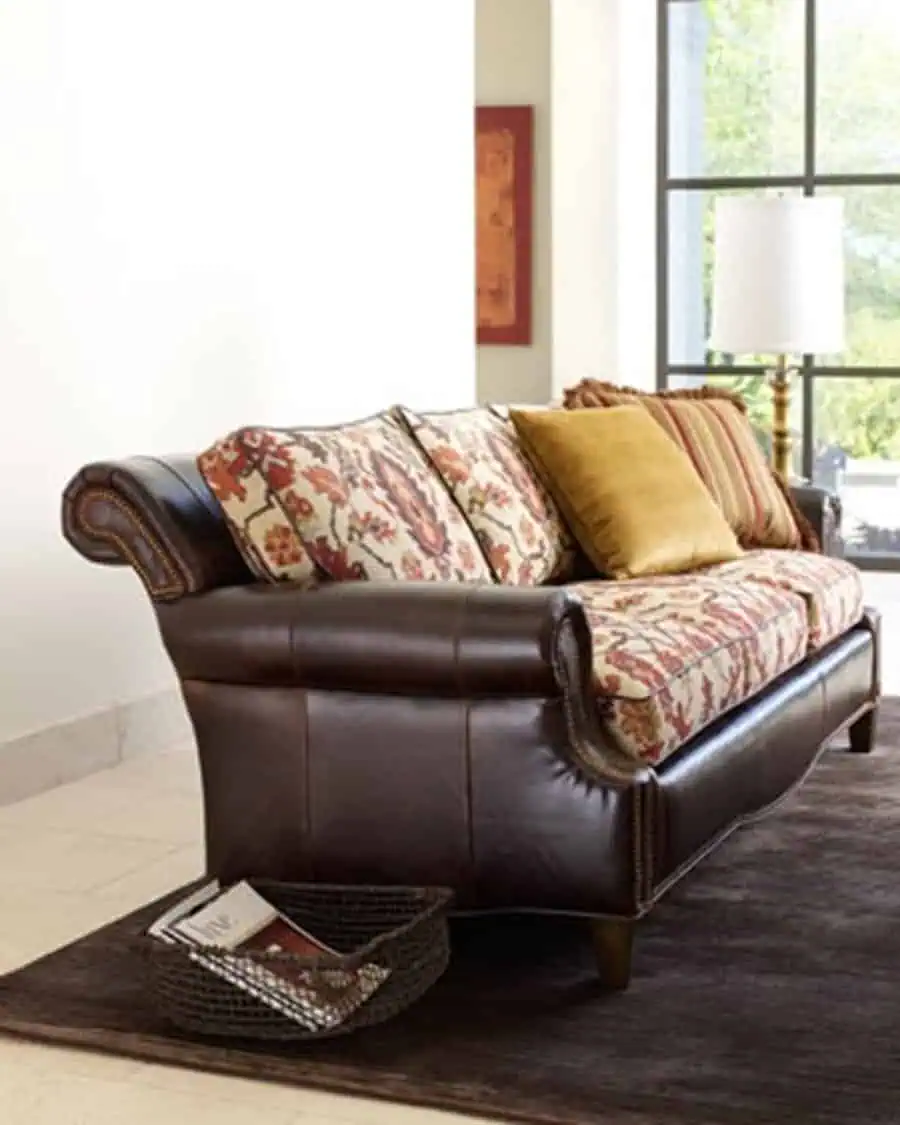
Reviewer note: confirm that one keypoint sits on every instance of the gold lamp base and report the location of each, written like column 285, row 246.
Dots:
column 781, row 411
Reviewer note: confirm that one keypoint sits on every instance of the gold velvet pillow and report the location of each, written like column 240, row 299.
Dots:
column 710, row 424
column 631, row 496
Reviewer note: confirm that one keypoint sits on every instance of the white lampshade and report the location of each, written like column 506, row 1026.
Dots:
column 779, row 276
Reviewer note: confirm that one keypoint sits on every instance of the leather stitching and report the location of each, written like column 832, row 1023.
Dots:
column 650, row 824
column 470, row 812
column 599, row 769
column 458, row 629
column 308, row 834
column 175, row 586
column 637, row 835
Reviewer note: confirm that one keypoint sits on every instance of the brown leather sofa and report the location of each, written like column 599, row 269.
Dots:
column 443, row 734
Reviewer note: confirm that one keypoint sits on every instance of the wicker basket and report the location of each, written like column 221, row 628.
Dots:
column 403, row 929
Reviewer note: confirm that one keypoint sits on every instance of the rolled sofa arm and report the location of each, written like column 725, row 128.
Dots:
column 418, row 639
column 409, row 638
column 822, row 509
column 156, row 515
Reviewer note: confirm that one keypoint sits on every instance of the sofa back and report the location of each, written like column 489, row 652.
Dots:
column 157, row 515
column 166, row 518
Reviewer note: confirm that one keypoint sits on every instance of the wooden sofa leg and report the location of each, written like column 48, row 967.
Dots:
column 864, row 732
column 613, row 940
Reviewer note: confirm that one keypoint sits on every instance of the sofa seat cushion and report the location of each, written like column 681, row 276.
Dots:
column 831, row 588
column 478, row 456
column 358, row 501
column 672, row 654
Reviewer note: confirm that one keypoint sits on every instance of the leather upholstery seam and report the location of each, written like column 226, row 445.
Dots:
column 641, row 847
column 470, row 807
column 636, row 845
column 650, row 824
column 307, row 793
column 462, row 614
column 176, row 584
column 292, row 652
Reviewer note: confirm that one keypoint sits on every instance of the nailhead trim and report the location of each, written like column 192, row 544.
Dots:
column 598, row 769
column 176, row 585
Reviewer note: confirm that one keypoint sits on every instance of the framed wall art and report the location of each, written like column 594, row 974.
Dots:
column 504, row 174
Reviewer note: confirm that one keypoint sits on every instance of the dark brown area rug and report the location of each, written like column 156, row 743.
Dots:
column 767, row 989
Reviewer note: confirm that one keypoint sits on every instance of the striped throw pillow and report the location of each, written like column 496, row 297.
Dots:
column 711, row 425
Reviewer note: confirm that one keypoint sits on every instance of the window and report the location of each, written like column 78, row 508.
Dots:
column 762, row 96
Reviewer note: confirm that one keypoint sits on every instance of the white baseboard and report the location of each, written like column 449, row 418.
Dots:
column 69, row 751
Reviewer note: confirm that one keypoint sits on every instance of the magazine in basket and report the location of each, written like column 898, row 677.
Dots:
column 242, row 938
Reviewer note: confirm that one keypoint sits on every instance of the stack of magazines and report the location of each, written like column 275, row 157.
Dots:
column 226, row 931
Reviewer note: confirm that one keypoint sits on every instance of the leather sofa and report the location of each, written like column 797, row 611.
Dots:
column 431, row 733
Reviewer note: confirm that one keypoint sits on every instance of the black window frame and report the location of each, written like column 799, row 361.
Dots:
column 809, row 180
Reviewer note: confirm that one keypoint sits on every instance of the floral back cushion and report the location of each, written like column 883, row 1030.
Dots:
column 234, row 470
column 520, row 528
column 357, row 501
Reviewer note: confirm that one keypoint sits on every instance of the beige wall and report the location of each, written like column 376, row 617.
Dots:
column 635, row 191
column 212, row 212
column 590, row 68
column 604, row 191
column 512, row 67
column 585, row 234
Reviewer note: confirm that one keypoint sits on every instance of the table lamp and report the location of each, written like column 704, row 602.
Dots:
column 778, row 289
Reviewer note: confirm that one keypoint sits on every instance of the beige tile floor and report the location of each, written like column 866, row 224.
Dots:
column 77, row 857
column 107, row 845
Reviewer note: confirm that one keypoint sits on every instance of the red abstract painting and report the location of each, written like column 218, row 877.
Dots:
column 504, row 171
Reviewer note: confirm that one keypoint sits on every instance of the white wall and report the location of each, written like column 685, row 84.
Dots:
column 589, row 67
column 603, row 186
column 585, row 235
column 512, row 67
column 635, row 172
column 211, row 212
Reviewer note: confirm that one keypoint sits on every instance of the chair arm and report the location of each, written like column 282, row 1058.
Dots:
column 822, row 509
column 157, row 515
column 410, row 638
column 425, row 639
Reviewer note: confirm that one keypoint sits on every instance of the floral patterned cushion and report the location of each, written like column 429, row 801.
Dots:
column 673, row 654
column 236, row 472
column 358, row 501
column 478, row 456
column 831, row 588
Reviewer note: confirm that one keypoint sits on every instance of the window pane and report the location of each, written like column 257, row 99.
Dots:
column 872, row 242
column 755, row 391
column 858, row 80
column 690, row 275
column 857, row 452
column 736, row 87
column 691, row 244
